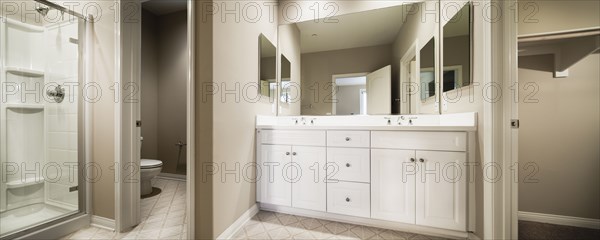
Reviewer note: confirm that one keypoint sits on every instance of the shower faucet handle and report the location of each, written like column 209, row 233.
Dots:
column 58, row 93
column 180, row 144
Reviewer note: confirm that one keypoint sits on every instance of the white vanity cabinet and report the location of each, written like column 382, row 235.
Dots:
column 292, row 167
column 425, row 186
column 442, row 190
column 393, row 185
column 397, row 178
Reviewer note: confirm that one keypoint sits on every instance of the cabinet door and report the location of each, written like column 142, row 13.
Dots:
column 442, row 190
column 393, row 185
column 276, row 188
column 309, row 190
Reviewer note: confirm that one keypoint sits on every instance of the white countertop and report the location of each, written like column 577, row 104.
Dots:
column 446, row 122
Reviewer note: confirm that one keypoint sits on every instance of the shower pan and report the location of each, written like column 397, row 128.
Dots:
column 42, row 122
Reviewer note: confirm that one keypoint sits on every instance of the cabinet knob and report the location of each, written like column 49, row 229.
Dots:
column 421, row 160
column 287, row 153
column 412, row 159
column 347, row 139
column 347, row 199
column 294, row 153
column 347, row 164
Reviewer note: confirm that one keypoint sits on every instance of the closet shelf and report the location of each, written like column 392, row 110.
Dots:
column 24, row 106
column 25, row 72
column 24, row 182
column 567, row 47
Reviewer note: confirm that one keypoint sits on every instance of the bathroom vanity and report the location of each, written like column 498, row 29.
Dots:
column 408, row 172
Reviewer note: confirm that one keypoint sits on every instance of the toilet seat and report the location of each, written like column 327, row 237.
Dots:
column 150, row 163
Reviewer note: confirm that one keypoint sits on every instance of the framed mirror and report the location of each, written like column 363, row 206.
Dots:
column 267, row 67
column 286, row 77
column 457, row 50
column 352, row 66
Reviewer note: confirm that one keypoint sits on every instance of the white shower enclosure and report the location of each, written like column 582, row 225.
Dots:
column 41, row 120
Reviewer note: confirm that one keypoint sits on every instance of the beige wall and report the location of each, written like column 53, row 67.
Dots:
column 235, row 60
column 203, row 72
column 164, row 83
column 560, row 135
column 172, row 85
column 557, row 15
column 149, row 86
column 103, row 137
column 318, row 68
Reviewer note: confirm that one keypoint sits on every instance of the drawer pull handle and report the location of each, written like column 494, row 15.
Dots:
column 347, row 139
column 347, row 164
column 412, row 159
column 287, row 153
column 294, row 153
column 347, row 199
column 421, row 160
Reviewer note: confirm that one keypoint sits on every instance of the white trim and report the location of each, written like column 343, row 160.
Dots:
column 172, row 176
column 102, row 222
column 560, row 220
column 117, row 120
column 404, row 227
column 191, row 122
column 412, row 52
column 239, row 223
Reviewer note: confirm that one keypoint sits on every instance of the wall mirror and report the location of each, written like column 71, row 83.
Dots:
column 267, row 67
column 457, row 49
column 352, row 66
column 285, row 95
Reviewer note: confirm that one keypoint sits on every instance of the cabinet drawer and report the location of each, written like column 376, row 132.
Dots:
column 349, row 164
column 291, row 137
column 349, row 199
column 443, row 141
column 348, row 139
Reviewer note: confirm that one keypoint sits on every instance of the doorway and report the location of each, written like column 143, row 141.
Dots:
column 157, row 58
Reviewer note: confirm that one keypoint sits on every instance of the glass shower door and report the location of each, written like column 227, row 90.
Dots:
column 40, row 118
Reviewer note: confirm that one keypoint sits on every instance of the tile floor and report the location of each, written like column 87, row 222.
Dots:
column 269, row 225
column 164, row 216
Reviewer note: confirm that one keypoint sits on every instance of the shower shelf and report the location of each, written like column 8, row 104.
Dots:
column 24, row 106
column 25, row 72
column 24, row 183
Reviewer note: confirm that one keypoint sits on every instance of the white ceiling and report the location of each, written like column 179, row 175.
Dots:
column 363, row 29
column 162, row 7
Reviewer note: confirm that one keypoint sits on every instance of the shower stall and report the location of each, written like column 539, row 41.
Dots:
column 42, row 117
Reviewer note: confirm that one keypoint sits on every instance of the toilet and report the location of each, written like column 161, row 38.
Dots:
column 149, row 169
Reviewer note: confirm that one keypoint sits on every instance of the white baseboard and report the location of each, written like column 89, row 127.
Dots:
column 239, row 223
column 172, row 176
column 102, row 222
column 560, row 220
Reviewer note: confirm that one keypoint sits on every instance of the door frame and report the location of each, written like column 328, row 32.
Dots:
column 412, row 52
column 334, row 85
column 128, row 52
column 500, row 141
